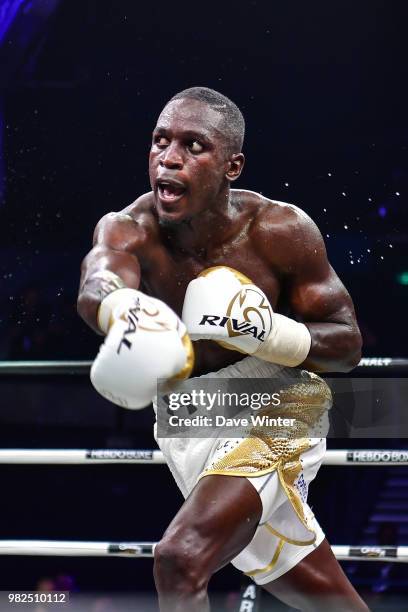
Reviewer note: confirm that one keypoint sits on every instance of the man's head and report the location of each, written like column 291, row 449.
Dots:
column 195, row 153
column 232, row 123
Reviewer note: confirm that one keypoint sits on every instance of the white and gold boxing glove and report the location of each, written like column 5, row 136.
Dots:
column 146, row 341
column 223, row 305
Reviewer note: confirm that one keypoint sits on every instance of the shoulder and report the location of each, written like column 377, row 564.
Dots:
column 265, row 210
column 285, row 220
column 282, row 232
column 281, row 217
column 272, row 215
column 132, row 226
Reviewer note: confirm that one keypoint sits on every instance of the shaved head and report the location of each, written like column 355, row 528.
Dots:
column 232, row 123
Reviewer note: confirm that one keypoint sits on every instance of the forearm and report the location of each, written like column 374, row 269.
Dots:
column 94, row 285
column 89, row 299
column 335, row 347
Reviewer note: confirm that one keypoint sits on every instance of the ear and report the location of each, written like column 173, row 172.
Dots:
column 235, row 165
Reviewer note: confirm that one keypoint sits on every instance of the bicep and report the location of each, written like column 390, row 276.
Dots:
column 122, row 263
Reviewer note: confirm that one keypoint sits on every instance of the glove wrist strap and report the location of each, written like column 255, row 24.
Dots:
column 288, row 343
column 124, row 298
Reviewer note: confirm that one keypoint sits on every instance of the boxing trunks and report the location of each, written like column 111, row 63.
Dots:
column 279, row 467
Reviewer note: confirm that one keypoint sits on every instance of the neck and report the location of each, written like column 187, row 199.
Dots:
column 206, row 229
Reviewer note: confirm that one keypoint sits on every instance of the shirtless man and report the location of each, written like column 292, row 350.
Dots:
column 190, row 222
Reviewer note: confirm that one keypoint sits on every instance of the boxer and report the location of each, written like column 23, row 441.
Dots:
column 197, row 278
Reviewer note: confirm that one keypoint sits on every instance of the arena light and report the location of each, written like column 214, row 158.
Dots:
column 402, row 278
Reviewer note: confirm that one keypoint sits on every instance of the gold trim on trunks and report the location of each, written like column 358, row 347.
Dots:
column 256, row 456
column 276, row 533
column 282, row 540
column 270, row 565
column 237, row 473
column 305, row 401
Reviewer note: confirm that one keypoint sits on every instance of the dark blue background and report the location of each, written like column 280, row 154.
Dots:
column 323, row 87
column 324, row 92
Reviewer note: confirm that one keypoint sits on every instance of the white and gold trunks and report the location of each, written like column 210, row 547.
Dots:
column 280, row 468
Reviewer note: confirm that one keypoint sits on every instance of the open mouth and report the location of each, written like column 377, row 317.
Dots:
column 170, row 192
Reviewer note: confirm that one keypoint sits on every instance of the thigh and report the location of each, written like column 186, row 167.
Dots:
column 316, row 583
column 218, row 519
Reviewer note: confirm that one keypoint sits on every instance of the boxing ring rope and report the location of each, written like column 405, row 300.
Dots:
column 363, row 457
column 144, row 550
column 36, row 368
column 16, row 456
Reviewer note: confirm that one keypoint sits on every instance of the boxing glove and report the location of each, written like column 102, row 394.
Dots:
column 223, row 305
column 145, row 342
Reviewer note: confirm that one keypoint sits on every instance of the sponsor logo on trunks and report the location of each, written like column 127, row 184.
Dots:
column 248, row 313
column 301, row 486
column 374, row 552
column 382, row 456
column 124, row 454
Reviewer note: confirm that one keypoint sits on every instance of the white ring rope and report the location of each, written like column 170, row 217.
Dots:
column 76, row 549
column 374, row 457
column 371, row 553
column 141, row 550
column 80, row 457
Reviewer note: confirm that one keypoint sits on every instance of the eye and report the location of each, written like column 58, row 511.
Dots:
column 195, row 146
column 161, row 141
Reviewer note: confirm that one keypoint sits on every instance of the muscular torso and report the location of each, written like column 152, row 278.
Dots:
column 167, row 268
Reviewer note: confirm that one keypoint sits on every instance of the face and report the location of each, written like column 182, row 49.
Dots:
column 188, row 162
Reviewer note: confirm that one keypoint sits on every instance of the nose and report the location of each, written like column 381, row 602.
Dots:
column 171, row 157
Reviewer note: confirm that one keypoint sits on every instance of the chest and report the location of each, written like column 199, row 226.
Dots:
column 166, row 274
